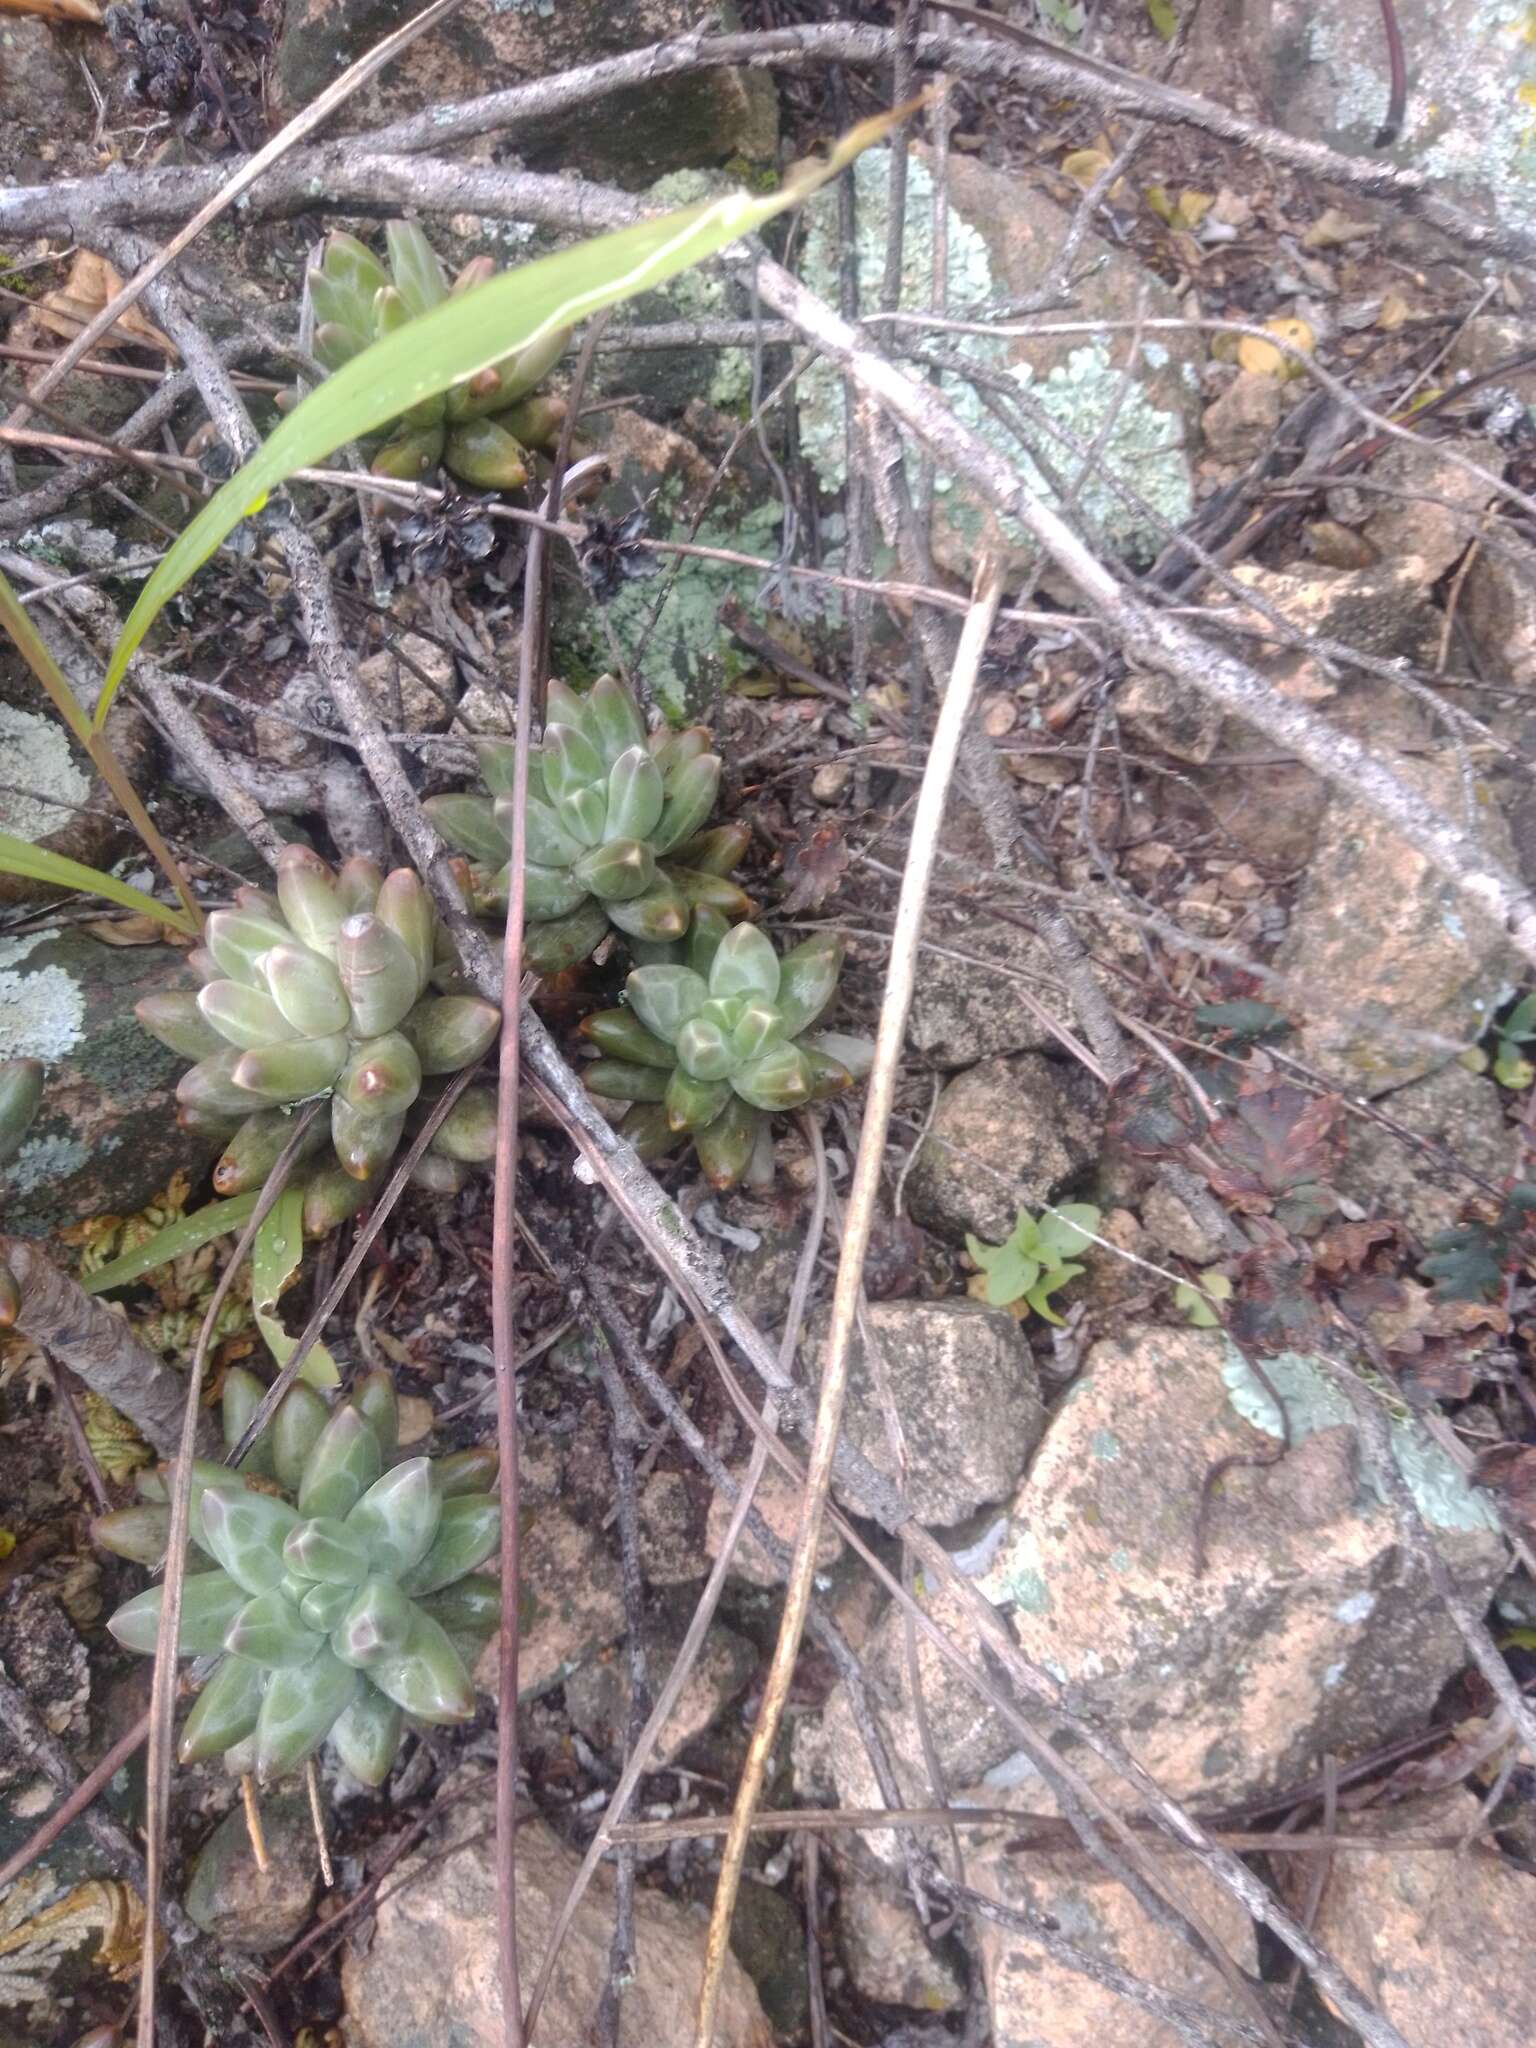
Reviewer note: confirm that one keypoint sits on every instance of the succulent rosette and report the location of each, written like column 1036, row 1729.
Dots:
column 323, row 990
column 707, row 1051
column 615, row 829
column 338, row 1590
column 479, row 430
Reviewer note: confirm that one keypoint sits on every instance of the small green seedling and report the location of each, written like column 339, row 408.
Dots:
column 1511, row 1068
column 1035, row 1260
column 1195, row 1299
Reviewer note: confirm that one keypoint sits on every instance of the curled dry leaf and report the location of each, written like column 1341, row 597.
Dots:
column 91, row 282
column 813, row 870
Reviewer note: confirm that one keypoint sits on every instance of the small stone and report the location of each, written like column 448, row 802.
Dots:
column 1392, row 955
column 830, row 782
column 1009, row 1134
column 1171, row 1227
column 1414, row 523
column 1169, row 715
column 429, row 1977
column 778, row 1502
column 999, row 715
column 1403, row 1927
column 571, row 1605
column 597, row 1696
column 768, row 1940
column 669, row 1542
column 416, row 1419
column 1242, row 421
column 1109, row 1280
column 962, row 1381
column 1243, row 882
column 249, row 1909
column 888, row 1956
column 414, row 689
column 986, row 986
column 1498, row 608
column 1461, row 1112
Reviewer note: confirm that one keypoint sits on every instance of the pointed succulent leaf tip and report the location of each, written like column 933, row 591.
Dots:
column 704, row 1050
column 807, row 980
column 692, row 1104
column 377, row 972
column 661, row 914
column 709, row 927
column 553, row 892
column 363, row 1142
column 366, row 1735
column 245, row 1533
column 209, row 1603
column 413, row 267
column 375, row 1400
column 176, row 1019
column 470, row 824
column 559, row 943
column 306, row 890
column 139, row 1533
column 571, row 764
column 620, row 1081
column 225, row 1710
column 481, row 453
column 292, row 1071
column 716, row 851
column 375, row 1624
column 324, row 1549
column 725, row 1147
column 243, row 1394
column 358, row 882
column 205, row 1473
column 238, row 939
column 468, row 1131
column 253, row 1151
column 618, row 871
column 635, row 795
column 471, row 1471
column 467, row 1535
column 382, row 1076
column 759, row 1026
column 690, row 797
column 548, row 841
column 268, row 1631
column 745, row 964
column 778, row 1079
column 620, row 1035
column 674, row 750
column 664, row 998
column 470, row 1606
column 331, row 1195
column 451, row 1032
column 296, row 1428
column 349, row 263
column 298, row 1711
column 398, row 1516
column 427, row 1678
column 611, row 720
column 210, row 1089
column 406, row 908
column 854, row 1054
column 307, row 990
column 342, row 1466
column 322, row 1607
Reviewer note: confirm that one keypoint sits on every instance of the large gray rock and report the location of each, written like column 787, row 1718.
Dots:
column 628, row 137
column 1009, row 1134
column 250, row 1909
column 1396, row 967
column 1310, row 1630
column 429, row 1978
column 889, row 1958
column 963, row 1385
column 1461, row 1112
column 972, row 998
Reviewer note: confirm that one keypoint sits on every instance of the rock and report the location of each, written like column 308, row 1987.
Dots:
column 626, row 138
column 1488, row 341
column 1168, row 715
column 963, row 1384
column 1171, row 1227
column 1003, row 233
column 1310, row 1631
column 1240, row 422
column 1412, row 525
column 106, row 1138
column 597, row 1696
column 888, row 1956
column 571, row 1605
column 1271, row 812
column 1393, row 957
column 1009, row 1134
column 1038, row 2000
column 1462, row 1112
column 967, row 1009
column 429, row 1978
column 40, row 1652
column 1498, row 608
column 1384, row 611
column 778, row 1502
column 1467, row 117
column 249, row 1909
column 414, row 687
column 669, row 1516
column 768, row 1940
column 1405, row 1926
column 830, row 782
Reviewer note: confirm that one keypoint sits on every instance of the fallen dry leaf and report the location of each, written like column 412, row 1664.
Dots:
column 1270, row 361
column 1333, row 230
column 89, row 285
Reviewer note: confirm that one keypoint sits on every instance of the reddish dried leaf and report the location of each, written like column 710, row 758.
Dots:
column 1510, row 1471
column 1275, row 1138
column 813, row 870
column 1272, row 1307
column 1345, row 1247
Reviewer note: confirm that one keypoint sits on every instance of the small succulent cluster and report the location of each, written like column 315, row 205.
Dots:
column 479, row 430
column 705, row 1051
column 615, row 829
column 345, row 1614
column 323, row 990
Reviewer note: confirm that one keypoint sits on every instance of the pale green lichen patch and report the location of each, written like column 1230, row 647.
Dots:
column 43, row 1162
column 42, row 1014
column 41, row 774
column 1313, row 1401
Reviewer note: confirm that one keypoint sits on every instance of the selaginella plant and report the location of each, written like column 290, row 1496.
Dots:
column 322, row 990
column 479, row 430
column 345, row 1612
column 710, row 1049
column 615, row 829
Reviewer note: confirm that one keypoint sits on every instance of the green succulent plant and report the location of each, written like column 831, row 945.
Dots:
column 479, row 430
column 707, row 1050
column 344, row 1613
column 321, row 990
column 615, row 829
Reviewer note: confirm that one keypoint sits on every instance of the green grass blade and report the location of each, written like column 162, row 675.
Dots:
column 186, row 1234
column 459, row 338
column 275, row 1256
column 38, row 864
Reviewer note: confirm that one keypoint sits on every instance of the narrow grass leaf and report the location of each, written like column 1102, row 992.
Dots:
column 38, row 864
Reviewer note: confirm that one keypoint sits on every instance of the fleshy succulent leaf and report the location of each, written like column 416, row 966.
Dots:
column 366, row 1735
column 224, row 1712
column 397, row 1517
column 209, row 1603
column 245, row 1532
column 298, row 1710
column 344, row 1463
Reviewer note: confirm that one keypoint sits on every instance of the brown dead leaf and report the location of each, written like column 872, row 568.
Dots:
column 91, row 282
column 1333, row 230
column 1510, row 1469
column 1345, row 1247
column 813, row 870
column 126, row 931
column 1276, row 1137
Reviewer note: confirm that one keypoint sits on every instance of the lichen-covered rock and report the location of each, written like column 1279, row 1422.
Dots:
column 1398, row 967
column 41, row 1652
column 106, row 1137
column 1471, row 69
column 1002, row 234
column 1459, row 1111
column 778, row 1502
column 967, row 1398
column 597, row 1696
column 1437, row 516
column 250, row 1909
column 627, row 138
column 889, row 1958
column 430, row 1977
column 570, row 1605
column 970, row 1008
column 58, row 802
column 1403, row 1926
column 1008, row 1134
column 1384, row 611
column 1309, row 1632
column 671, row 1515
column 1036, row 1999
